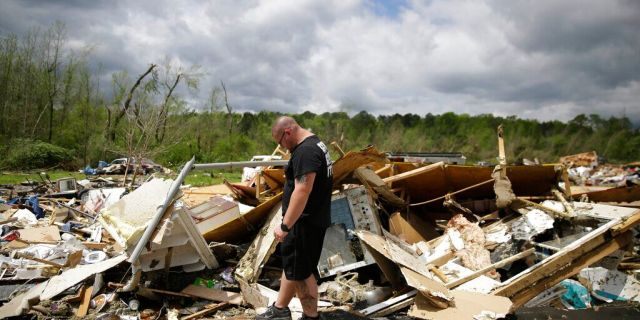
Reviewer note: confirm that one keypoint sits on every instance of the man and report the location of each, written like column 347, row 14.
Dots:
column 306, row 216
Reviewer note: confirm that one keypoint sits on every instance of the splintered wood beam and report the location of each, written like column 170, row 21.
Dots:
column 567, row 205
column 567, row 182
column 337, row 147
column 501, row 152
column 554, row 212
column 405, row 175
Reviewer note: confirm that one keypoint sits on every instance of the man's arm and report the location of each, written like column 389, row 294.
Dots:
column 299, row 197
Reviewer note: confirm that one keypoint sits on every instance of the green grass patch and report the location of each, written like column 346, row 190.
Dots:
column 18, row 177
column 195, row 178
column 200, row 178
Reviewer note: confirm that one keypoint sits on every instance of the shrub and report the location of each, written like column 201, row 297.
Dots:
column 29, row 154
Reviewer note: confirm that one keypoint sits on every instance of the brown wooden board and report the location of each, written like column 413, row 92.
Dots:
column 213, row 294
column 344, row 167
column 525, row 181
column 617, row 194
column 238, row 229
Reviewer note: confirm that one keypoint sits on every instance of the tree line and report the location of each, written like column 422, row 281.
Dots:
column 52, row 96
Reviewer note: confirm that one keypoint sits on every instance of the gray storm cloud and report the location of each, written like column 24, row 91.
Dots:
column 543, row 59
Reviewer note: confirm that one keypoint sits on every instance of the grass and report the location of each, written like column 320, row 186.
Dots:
column 207, row 178
column 195, row 178
column 18, row 177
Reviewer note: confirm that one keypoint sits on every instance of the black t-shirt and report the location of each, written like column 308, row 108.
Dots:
column 311, row 155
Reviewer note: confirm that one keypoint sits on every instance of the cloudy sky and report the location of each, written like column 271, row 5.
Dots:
column 534, row 59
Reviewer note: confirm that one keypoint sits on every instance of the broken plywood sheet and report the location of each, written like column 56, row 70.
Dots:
column 603, row 211
column 262, row 247
column 432, row 290
column 468, row 306
column 610, row 284
column 233, row 230
column 127, row 219
column 525, row 181
column 393, row 251
column 213, row 294
column 352, row 160
column 372, row 180
column 195, row 196
column 44, row 234
column 607, row 194
column 411, row 228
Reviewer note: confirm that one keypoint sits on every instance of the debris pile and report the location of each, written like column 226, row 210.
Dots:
column 424, row 240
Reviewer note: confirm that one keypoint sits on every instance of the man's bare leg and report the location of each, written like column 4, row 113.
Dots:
column 286, row 292
column 307, row 292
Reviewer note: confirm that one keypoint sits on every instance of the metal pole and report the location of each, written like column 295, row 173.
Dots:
column 175, row 186
column 239, row 164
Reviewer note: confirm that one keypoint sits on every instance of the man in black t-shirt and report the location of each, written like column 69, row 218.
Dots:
column 306, row 204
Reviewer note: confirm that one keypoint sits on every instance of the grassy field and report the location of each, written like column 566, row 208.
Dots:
column 196, row 178
column 202, row 178
column 18, row 177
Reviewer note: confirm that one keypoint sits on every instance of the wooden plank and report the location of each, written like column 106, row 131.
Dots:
column 29, row 257
column 371, row 179
column 261, row 248
column 238, row 229
column 402, row 176
column 213, row 294
column 627, row 224
column 411, row 228
column 617, row 194
column 207, row 309
column 86, row 301
column 343, row 167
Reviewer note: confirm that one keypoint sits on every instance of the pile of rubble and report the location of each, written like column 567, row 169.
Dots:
column 428, row 241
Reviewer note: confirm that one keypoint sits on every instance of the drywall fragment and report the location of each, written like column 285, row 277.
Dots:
column 530, row 224
column 127, row 219
column 44, row 234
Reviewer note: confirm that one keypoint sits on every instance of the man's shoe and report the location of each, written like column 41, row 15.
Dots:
column 275, row 313
column 305, row 317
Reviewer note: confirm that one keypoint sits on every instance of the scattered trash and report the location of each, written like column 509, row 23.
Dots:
column 408, row 237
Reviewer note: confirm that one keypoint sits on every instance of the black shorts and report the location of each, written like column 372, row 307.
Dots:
column 301, row 251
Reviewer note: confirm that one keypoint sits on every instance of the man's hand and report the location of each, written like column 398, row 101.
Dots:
column 279, row 234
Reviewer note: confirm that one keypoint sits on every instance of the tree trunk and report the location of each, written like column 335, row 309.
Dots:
column 112, row 129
